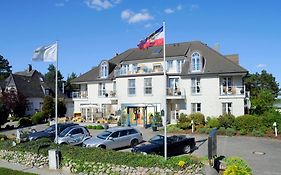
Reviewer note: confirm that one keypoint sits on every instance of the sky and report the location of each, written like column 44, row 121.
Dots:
column 89, row 31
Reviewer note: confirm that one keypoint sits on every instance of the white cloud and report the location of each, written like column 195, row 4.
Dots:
column 132, row 17
column 169, row 11
column 147, row 25
column 59, row 4
column 179, row 7
column 261, row 65
column 101, row 4
column 193, row 7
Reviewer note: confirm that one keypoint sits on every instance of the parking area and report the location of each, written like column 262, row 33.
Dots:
column 263, row 154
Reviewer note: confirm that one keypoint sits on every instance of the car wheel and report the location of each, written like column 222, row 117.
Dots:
column 186, row 149
column 134, row 142
column 102, row 146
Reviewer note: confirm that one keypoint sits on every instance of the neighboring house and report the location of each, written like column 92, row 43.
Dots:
column 30, row 83
column 199, row 79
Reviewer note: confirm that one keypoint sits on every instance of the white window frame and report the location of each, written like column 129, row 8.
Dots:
column 147, row 86
column 196, row 107
column 227, row 85
column 195, row 86
column 104, row 69
column 227, row 108
column 196, row 62
column 101, row 89
column 131, row 87
column 179, row 65
column 170, row 65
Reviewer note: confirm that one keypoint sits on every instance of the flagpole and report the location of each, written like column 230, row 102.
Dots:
column 56, row 102
column 165, row 93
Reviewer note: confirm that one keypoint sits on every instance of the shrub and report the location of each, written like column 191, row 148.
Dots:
column 23, row 122
column 243, row 132
column 270, row 117
column 91, row 127
column 248, row 122
column 183, row 121
column 226, row 120
column 198, row 118
column 258, row 133
column 213, row 122
column 37, row 118
column 236, row 165
column 99, row 127
column 173, row 128
column 3, row 137
column 230, row 131
column 221, row 131
column 202, row 130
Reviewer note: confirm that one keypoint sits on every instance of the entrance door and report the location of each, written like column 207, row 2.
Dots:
column 137, row 115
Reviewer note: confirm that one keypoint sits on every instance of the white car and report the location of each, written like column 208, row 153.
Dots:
column 114, row 138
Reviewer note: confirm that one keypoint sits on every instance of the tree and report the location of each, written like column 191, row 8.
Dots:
column 16, row 103
column 5, row 68
column 61, row 108
column 264, row 90
column 48, row 107
column 4, row 112
column 69, row 88
column 50, row 77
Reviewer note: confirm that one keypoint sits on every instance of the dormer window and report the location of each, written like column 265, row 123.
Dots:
column 104, row 69
column 196, row 62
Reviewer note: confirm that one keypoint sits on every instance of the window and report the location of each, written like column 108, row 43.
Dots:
column 226, row 108
column 114, row 86
column 195, row 107
column 148, row 86
column 132, row 68
column 157, row 68
column 104, row 69
column 115, row 134
column 227, row 85
column 124, row 69
column 195, row 85
column 47, row 91
column 101, row 89
column 179, row 65
column 132, row 131
column 173, row 83
column 195, row 62
column 76, row 131
column 131, row 87
column 123, row 133
column 29, row 106
column 169, row 65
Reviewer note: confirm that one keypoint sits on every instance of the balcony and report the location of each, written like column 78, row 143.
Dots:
column 80, row 95
column 233, row 91
column 139, row 69
column 175, row 93
column 107, row 94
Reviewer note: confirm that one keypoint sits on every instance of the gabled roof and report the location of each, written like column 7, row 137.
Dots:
column 215, row 63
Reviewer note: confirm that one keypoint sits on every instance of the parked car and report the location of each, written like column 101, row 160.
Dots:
column 114, row 138
column 49, row 132
column 176, row 145
column 74, row 135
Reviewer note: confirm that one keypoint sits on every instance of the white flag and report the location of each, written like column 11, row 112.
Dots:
column 46, row 53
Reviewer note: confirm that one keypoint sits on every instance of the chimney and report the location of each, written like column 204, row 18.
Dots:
column 217, row 47
column 29, row 68
column 233, row 57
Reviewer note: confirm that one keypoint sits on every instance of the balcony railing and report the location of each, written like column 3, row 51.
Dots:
column 138, row 70
column 175, row 92
column 107, row 94
column 232, row 90
column 81, row 95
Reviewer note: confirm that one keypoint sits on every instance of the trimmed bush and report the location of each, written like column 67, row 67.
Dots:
column 183, row 121
column 99, row 127
column 226, row 120
column 248, row 122
column 230, row 131
column 37, row 118
column 221, row 131
column 243, row 132
column 258, row 133
column 94, row 127
column 213, row 122
column 23, row 122
column 201, row 130
column 236, row 165
column 173, row 128
column 198, row 118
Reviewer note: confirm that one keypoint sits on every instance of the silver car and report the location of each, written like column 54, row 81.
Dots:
column 115, row 138
column 73, row 135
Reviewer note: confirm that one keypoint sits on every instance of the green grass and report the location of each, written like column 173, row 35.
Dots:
column 6, row 171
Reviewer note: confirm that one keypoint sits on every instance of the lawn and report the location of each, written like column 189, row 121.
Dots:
column 6, row 171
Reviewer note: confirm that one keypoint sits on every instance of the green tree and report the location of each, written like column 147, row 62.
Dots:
column 61, row 108
column 48, row 107
column 4, row 112
column 264, row 90
column 5, row 68
column 50, row 77
column 68, row 85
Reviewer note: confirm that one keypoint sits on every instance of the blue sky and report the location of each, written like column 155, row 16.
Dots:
column 89, row 31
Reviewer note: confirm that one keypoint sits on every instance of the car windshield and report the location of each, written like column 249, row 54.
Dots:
column 104, row 135
column 157, row 139
column 50, row 129
column 64, row 132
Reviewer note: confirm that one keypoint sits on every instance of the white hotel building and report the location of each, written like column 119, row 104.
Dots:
column 199, row 79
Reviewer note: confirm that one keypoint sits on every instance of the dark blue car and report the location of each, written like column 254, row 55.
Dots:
column 176, row 145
